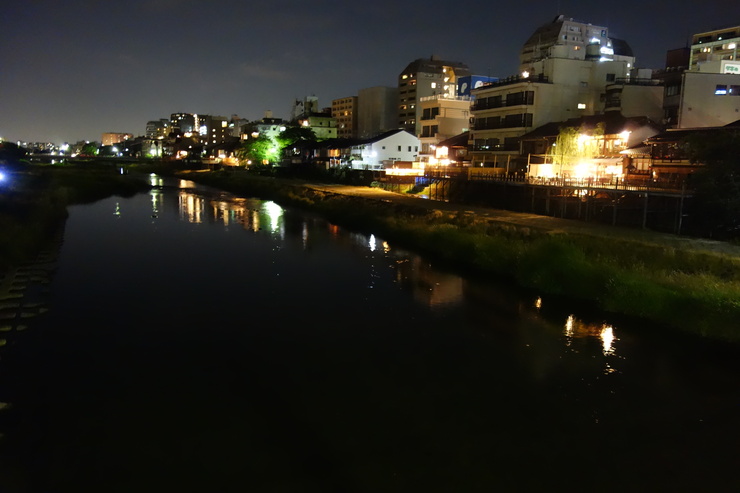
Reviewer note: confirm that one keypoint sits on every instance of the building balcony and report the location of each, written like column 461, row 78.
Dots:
column 514, row 79
column 495, row 148
column 446, row 97
column 635, row 82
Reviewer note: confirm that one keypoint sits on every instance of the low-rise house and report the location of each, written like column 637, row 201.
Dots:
column 589, row 147
column 452, row 151
column 375, row 153
column 669, row 153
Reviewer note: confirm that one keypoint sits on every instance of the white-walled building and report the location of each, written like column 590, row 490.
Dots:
column 375, row 153
column 709, row 100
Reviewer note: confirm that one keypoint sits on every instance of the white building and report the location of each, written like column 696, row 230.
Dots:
column 383, row 150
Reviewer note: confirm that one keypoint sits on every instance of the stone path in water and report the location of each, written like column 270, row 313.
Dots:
column 24, row 293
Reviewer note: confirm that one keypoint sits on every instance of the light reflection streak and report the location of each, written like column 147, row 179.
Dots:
column 371, row 243
column 156, row 197
column 575, row 328
column 607, row 338
column 274, row 213
column 191, row 207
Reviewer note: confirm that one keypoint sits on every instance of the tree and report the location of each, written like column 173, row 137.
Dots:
column 89, row 150
column 572, row 145
column 716, row 183
column 11, row 153
column 259, row 150
column 291, row 135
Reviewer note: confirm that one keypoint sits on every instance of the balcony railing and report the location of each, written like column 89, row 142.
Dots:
column 446, row 97
column 636, row 82
column 514, row 79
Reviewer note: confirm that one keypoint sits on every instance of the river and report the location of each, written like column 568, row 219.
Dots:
column 198, row 341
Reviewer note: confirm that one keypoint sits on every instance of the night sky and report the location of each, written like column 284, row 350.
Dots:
column 73, row 70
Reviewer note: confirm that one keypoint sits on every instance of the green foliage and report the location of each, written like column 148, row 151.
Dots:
column 291, row 135
column 570, row 146
column 89, row 150
column 261, row 150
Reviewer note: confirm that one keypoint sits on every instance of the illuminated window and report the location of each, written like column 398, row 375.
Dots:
column 720, row 90
column 581, row 106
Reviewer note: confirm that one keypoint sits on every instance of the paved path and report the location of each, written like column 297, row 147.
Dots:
column 537, row 221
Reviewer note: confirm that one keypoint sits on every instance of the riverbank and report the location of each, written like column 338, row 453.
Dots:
column 689, row 284
column 34, row 200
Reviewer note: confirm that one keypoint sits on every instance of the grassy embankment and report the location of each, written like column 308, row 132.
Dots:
column 695, row 291
column 34, row 200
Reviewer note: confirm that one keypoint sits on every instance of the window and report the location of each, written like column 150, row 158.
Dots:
column 672, row 90
column 734, row 91
column 611, row 77
column 399, row 148
column 720, row 90
column 409, row 148
column 581, row 106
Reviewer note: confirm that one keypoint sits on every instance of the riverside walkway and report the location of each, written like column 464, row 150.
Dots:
column 536, row 221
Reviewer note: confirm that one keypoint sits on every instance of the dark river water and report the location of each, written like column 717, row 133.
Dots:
column 197, row 341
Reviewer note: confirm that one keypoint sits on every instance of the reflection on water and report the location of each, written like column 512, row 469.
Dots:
column 575, row 328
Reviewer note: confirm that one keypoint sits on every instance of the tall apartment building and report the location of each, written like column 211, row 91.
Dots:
column 565, row 69
column 344, row 111
column 422, row 78
column 716, row 51
column 376, row 111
